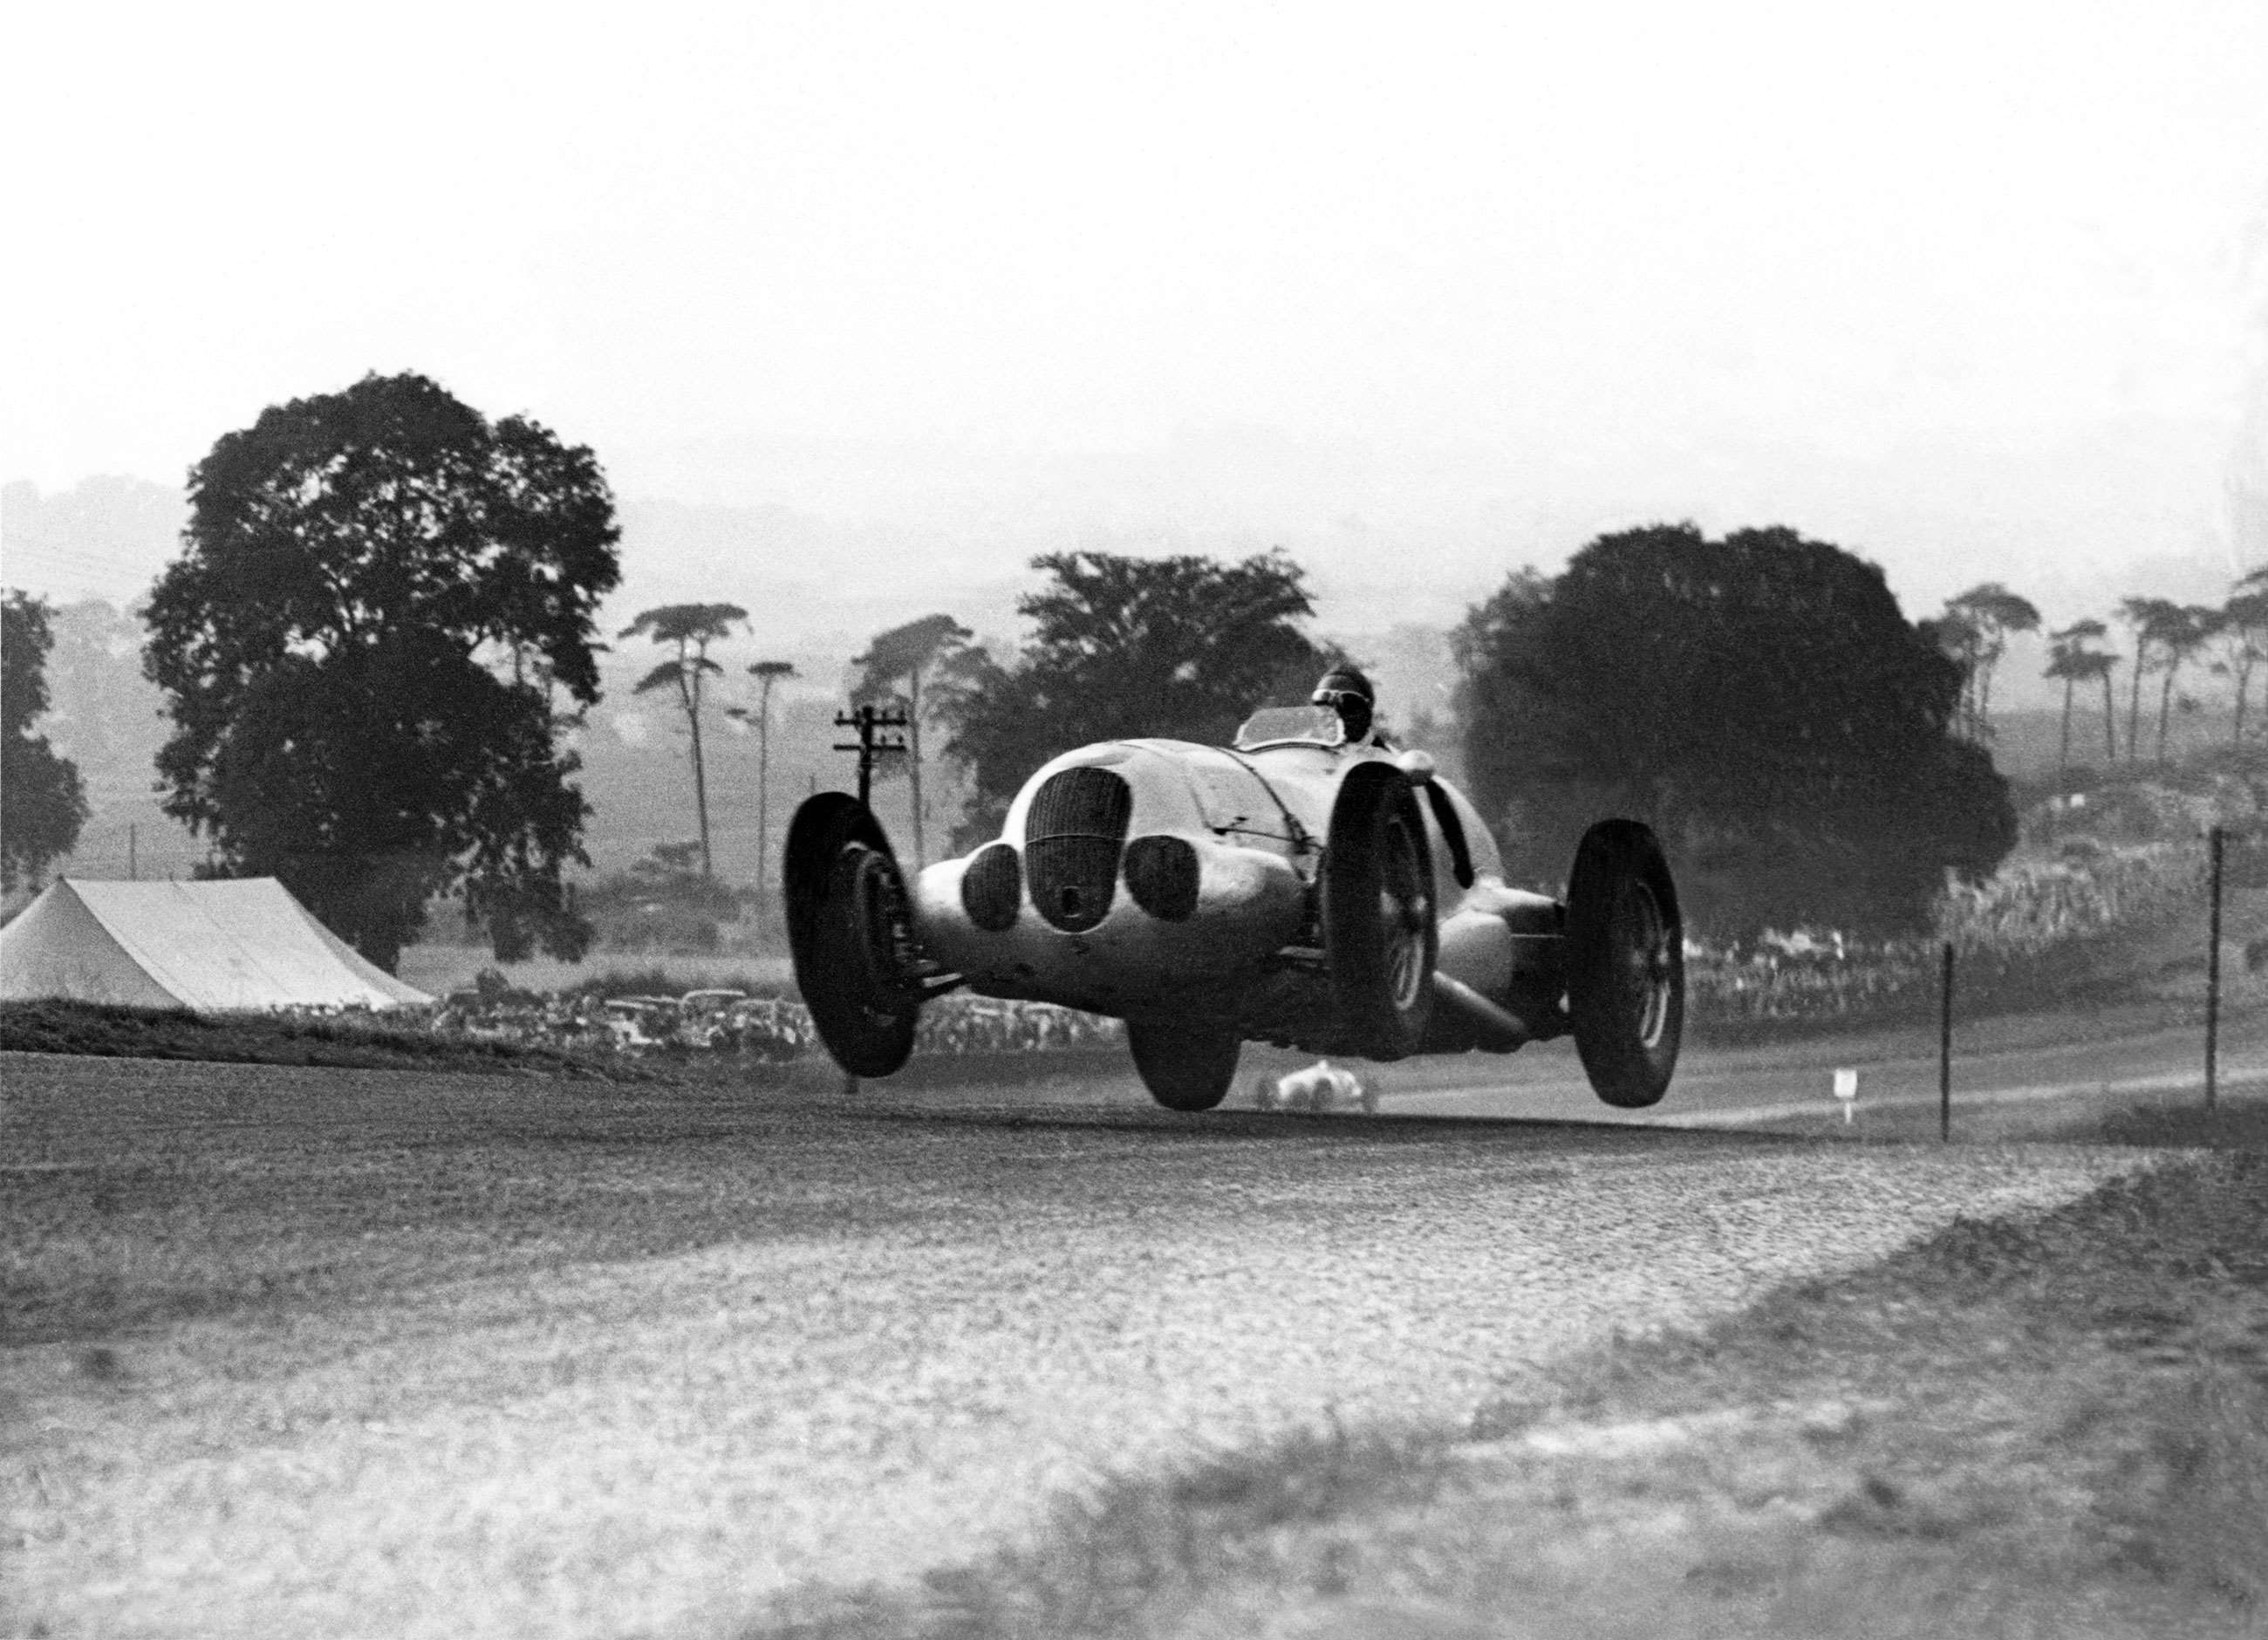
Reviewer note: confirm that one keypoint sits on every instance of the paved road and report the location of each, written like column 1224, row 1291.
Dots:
column 299, row 1352
column 2040, row 1062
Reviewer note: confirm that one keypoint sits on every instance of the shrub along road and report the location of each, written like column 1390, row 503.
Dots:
column 294, row 1350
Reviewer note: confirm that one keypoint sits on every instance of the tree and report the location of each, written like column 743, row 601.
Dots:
column 2071, row 659
column 2243, row 635
column 380, row 597
column 903, row 655
column 1759, row 699
column 1961, row 641
column 1125, row 647
column 766, row 673
column 99, row 702
column 693, row 628
column 42, row 799
column 1983, row 616
column 2144, row 618
column 2109, row 664
column 2179, row 631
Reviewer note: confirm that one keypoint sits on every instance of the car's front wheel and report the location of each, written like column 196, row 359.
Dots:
column 848, row 928
column 1378, row 914
column 1185, row 1065
column 1625, row 963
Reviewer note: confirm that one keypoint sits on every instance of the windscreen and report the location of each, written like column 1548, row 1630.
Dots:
column 1318, row 725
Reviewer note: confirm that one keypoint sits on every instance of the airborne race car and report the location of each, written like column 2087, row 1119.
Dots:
column 1292, row 888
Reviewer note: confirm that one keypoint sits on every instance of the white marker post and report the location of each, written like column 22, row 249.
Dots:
column 1846, row 1092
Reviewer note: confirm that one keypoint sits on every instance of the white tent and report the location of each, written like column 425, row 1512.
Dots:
column 244, row 943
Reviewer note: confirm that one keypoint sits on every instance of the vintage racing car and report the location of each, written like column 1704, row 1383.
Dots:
column 1299, row 887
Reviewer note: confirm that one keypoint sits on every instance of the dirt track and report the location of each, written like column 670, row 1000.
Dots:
column 298, row 1352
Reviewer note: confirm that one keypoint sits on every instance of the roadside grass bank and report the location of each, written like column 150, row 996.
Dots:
column 343, row 1042
column 2053, row 1426
column 2229, row 1125
column 369, row 1042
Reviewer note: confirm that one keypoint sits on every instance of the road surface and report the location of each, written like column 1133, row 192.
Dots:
column 2030, row 1073
column 295, row 1352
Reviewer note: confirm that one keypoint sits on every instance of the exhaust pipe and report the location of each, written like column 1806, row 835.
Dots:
column 1505, row 1028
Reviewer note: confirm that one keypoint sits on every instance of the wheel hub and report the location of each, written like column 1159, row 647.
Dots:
column 885, row 947
column 1647, row 974
column 1405, row 910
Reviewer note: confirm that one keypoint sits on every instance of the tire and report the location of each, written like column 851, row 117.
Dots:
column 850, row 934
column 1185, row 1067
column 1380, row 934
column 1625, row 963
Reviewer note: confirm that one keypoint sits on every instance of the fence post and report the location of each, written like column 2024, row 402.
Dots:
column 2216, row 841
column 1945, row 1049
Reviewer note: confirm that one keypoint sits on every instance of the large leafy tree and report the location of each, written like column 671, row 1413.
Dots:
column 381, row 599
column 692, row 628
column 1760, row 700
column 1183, row 646
column 892, row 672
column 42, row 799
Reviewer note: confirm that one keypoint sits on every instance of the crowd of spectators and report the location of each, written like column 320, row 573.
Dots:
column 981, row 1025
column 770, row 1029
column 1833, row 980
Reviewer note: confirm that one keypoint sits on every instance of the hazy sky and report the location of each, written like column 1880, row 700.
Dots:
column 1435, row 275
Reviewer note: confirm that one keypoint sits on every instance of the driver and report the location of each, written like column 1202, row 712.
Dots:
column 1348, row 692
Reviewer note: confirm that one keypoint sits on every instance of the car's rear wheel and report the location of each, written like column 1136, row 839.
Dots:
column 850, row 931
column 1625, row 963
column 1380, row 933
column 1185, row 1065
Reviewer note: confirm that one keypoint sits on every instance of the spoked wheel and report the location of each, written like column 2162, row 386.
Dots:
column 1186, row 1066
column 1379, row 928
column 850, row 929
column 1625, row 963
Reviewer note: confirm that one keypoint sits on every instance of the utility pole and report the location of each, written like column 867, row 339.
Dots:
column 133, row 854
column 876, row 739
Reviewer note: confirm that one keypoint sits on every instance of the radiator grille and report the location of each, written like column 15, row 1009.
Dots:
column 1072, row 834
column 991, row 887
column 1161, row 874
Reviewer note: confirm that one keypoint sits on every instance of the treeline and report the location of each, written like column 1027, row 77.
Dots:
column 2165, row 641
column 381, row 630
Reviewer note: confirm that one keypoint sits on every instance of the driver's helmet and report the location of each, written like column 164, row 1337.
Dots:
column 1348, row 692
